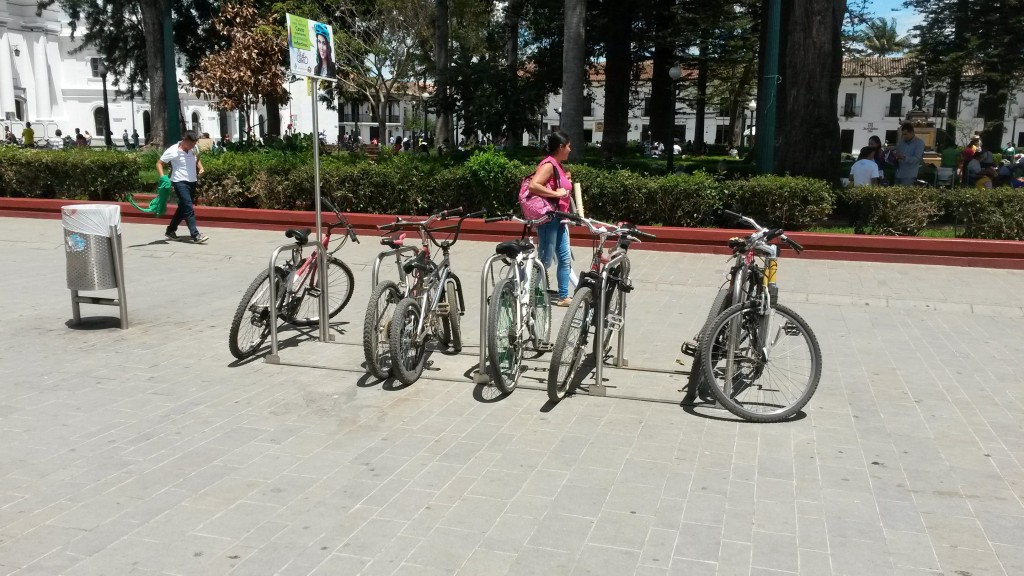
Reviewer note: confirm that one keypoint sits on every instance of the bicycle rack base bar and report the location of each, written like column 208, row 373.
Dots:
column 321, row 258
column 480, row 375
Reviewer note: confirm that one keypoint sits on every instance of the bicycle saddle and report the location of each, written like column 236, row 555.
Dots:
column 513, row 248
column 419, row 262
column 300, row 236
column 395, row 243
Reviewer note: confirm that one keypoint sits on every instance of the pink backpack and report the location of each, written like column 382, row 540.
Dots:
column 532, row 205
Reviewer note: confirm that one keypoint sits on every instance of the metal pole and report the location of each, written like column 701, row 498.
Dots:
column 481, row 376
column 173, row 133
column 672, row 132
column 767, row 92
column 122, row 302
column 598, row 389
column 321, row 260
column 106, row 115
column 621, row 362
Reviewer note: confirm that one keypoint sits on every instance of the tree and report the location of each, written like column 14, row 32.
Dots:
column 441, row 63
column 882, row 39
column 249, row 70
column 574, row 66
column 129, row 36
column 810, row 66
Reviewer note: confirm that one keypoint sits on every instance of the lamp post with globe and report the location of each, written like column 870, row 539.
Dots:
column 674, row 73
column 102, row 69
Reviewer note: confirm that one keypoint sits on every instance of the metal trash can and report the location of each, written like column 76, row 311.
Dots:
column 92, row 249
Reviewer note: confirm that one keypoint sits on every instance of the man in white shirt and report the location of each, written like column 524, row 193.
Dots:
column 186, row 168
column 864, row 171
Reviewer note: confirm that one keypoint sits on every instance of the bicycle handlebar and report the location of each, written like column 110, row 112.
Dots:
column 424, row 225
column 598, row 227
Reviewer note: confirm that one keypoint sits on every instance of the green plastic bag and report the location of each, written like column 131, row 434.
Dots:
column 157, row 206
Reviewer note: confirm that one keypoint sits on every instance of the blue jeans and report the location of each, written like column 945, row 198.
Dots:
column 553, row 238
column 185, row 211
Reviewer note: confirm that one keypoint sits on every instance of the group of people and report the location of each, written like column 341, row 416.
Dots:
column 977, row 167
column 869, row 169
column 59, row 140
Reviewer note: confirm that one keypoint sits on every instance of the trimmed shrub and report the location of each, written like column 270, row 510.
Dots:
column 893, row 211
column 996, row 214
column 97, row 175
column 790, row 202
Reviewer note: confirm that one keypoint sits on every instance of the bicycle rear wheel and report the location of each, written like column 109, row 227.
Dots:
column 339, row 292
column 504, row 345
column 761, row 374
column 250, row 326
column 696, row 383
column 568, row 352
column 376, row 324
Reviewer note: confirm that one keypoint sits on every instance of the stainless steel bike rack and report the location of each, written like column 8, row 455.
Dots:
column 380, row 258
column 480, row 375
column 321, row 262
column 598, row 388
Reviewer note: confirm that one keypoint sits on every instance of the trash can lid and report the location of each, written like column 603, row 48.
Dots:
column 93, row 219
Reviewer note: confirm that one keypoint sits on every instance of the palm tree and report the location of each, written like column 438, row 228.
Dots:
column 882, row 39
column 574, row 63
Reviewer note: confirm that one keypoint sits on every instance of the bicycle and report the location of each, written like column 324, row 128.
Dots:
column 433, row 302
column 519, row 312
column 747, row 355
column 298, row 283
column 609, row 277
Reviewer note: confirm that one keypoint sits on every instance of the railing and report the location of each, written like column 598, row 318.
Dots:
column 393, row 119
column 850, row 111
column 894, row 112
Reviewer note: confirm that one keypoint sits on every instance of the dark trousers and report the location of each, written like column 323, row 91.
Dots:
column 185, row 211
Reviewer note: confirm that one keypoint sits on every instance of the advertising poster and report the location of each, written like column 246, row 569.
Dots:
column 311, row 48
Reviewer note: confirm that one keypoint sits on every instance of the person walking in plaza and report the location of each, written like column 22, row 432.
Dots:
column 551, row 182
column 909, row 153
column 125, row 138
column 186, row 168
column 864, row 171
column 879, row 157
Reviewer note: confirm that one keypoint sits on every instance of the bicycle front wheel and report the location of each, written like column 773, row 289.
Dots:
column 250, row 326
column 376, row 324
column 504, row 345
column 407, row 354
column 761, row 372
column 568, row 353
column 339, row 292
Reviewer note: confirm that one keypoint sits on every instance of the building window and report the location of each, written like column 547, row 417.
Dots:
column 588, row 107
column 647, row 107
column 850, row 105
column 890, row 137
column 588, row 135
column 895, row 108
column 262, row 126
column 147, row 125
column 98, row 115
column 19, row 109
column 722, row 134
column 1020, row 139
column 94, row 66
column 846, row 141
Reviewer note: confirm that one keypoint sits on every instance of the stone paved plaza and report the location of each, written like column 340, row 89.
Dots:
column 150, row 451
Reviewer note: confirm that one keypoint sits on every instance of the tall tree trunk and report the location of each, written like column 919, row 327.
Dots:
column 993, row 109
column 382, row 121
column 617, row 71
column 739, row 105
column 444, row 115
column 662, row 97
column 701, row 105
column 153, row 28
column 574, row 66
column 811, row 59
column 513, row 20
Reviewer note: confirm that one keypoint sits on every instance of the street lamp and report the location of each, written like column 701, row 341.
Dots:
column 674, row 73
column 752, row 107
column 559, row 112
column 102, row 69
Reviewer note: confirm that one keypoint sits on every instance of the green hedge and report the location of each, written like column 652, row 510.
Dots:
column 76, row 173
column 410, row 184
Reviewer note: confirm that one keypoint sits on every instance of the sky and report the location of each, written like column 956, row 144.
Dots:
column 905, row 17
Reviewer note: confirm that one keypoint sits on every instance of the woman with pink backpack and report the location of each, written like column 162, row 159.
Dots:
column 546, row 190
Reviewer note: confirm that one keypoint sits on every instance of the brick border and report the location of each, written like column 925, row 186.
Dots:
column 1003, row 254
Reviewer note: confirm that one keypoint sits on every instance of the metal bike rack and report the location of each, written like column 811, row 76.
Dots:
column 321, row 260
column 380, row 258
column 599, row 389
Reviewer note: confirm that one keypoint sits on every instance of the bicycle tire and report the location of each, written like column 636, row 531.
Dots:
column 504, row 347
column 453, row 322
column 696, row 384
column 376, row 324
column 340, row 283
column 259, row 288
column 407, row 358
column 612, row 306
column 540, row 316
column 751, row 406
column 567, row 355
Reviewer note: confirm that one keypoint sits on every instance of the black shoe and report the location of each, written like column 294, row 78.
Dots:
column 170, row 235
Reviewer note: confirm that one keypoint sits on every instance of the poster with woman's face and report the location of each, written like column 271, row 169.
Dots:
column 311, row 48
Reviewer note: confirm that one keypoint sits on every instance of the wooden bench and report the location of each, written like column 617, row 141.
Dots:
column 372, row 151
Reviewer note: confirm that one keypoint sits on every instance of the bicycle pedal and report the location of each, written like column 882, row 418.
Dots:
column 626, row 285
column 614, row 321
column 545, row 347
column 443, row 308
column 791, row 329
column 689, row 348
